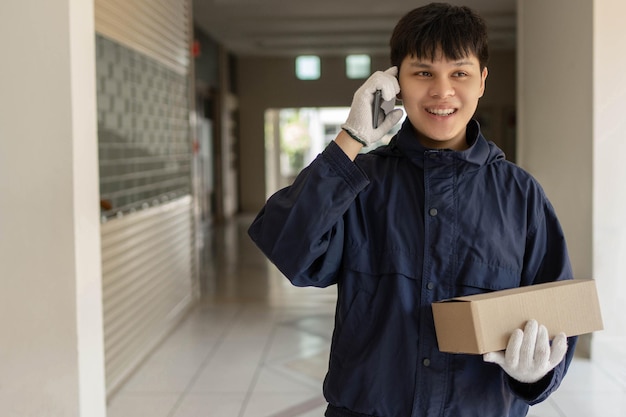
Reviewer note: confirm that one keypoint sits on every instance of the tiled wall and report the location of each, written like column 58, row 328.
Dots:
column 143, row 130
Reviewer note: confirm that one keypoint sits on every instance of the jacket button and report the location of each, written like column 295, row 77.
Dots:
column 426, row 362
column 430, row 285
column 433, row 212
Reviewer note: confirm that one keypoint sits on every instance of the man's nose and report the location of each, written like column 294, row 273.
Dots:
column 441, row 87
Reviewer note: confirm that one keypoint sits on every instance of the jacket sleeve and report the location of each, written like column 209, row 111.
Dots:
column 546, row 260
column 301, row 228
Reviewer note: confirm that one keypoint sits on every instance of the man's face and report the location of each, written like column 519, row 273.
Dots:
column 440, row 97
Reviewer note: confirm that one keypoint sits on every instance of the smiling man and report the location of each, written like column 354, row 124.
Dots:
column 437, row 213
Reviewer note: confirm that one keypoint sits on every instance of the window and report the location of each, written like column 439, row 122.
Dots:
column 358, row 66
column 308, row 67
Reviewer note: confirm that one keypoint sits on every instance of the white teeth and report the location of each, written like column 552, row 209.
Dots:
column 441, row 112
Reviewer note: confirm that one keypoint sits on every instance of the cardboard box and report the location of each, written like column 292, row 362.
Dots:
column 484, row 322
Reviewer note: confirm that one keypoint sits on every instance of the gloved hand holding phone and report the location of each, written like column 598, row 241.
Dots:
column 529, row 355
column 360, row 124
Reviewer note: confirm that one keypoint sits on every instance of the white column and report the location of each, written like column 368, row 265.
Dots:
column 572, row 131
column 555, row 112
column 609, row 176
column 51, row 344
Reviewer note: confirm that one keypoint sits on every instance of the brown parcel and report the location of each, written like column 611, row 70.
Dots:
column 483, row 323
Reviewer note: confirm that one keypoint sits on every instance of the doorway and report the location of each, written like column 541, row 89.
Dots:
column 295, row 136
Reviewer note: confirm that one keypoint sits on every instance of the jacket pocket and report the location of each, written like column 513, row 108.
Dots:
column 364, row 260
column 476, row 277
column 351, row 330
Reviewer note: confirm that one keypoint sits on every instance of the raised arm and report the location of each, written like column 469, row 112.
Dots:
column 301, row 228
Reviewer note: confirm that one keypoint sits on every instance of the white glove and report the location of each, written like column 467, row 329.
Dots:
column 528, row 356
column 360, row 119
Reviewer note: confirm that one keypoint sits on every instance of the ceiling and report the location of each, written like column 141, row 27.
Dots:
column 327, row 27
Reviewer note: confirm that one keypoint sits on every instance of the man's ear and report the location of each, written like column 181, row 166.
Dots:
column 483, row 81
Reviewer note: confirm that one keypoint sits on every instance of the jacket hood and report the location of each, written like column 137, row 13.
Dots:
column 480, row 152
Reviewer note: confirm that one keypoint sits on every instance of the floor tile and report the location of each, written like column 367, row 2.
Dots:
column 272, row 380
column 316, row 412
column 153, row 405
column 281, row 405
column 313, row 366
column 156, row 377
column 585, row 376
column 210, row 405
column 593, row 404
column 231, row 369
column 544, row 409
column 291, row 340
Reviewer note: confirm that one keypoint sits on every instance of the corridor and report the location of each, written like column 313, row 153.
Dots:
column 258, row 347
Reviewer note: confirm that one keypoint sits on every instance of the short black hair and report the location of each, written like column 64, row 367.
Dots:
column 455, row 31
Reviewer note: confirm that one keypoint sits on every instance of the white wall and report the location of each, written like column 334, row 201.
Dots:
column 609, row 173
column 50, row 292
column 571, row 119
column 555, row 113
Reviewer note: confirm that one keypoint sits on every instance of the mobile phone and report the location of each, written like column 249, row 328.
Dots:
column 376, row 108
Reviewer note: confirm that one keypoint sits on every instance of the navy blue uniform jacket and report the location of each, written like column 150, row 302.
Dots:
column 398, row 229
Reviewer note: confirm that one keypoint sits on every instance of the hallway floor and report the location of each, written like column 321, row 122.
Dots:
column 258, row 347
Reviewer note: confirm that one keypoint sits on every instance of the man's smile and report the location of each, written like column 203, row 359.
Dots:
column 441, row 112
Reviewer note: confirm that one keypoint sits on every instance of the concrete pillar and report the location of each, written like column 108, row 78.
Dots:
column 51, row 344
column 555, row 94
column 571, row 136
column 609, row 178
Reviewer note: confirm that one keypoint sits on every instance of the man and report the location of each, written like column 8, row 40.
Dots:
column 435, row 214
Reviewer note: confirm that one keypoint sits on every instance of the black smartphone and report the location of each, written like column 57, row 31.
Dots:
column 376, row 108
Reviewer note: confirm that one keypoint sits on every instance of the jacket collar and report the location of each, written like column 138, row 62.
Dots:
column 479, row 153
